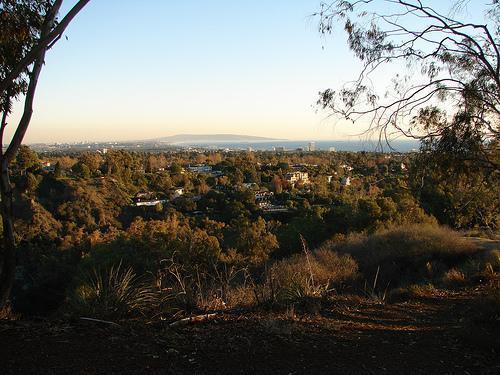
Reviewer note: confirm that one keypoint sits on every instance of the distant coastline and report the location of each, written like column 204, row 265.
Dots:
column 286, row 145
column 202, row 138
column 402, row 146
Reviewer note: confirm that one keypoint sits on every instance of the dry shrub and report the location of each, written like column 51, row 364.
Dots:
column 493, row 258
column 412, row 291
column 7, row 314
column 242, row 296
column 483, row 267
column 454, row 277
column 410, row 241
column 311, row 274
column 407, row 254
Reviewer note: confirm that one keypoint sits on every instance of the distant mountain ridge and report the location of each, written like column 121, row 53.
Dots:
column 201, row 138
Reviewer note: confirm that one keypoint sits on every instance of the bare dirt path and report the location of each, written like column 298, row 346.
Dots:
column 485, row 243
column 429, row 336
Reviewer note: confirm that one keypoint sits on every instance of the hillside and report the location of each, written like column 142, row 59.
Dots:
column 435, row 334
column 202, row 138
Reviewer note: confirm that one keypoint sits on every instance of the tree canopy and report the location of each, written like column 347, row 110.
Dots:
column 448, row 83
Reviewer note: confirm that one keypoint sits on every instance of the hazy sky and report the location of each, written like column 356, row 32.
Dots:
column 141, row 69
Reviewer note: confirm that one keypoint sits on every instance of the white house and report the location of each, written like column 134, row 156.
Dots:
column 346, row 181
column 201, row 168
column 178, row 192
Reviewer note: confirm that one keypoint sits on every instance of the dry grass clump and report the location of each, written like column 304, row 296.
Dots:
column 114, row 294
column 7, row 314
column 454, row 277
column 241, row 296
column 412, row 291
column 311, row 274
column 493, row 259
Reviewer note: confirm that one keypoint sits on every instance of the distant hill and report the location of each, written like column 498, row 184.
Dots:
column 204, row 138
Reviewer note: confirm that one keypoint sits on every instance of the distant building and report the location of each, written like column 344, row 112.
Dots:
column 177, row 193
column 201, row 168
column 48, row 167
column 346, row 181
column 153, row 202
column 263, row 196
column 331, row 149
column 295, row 177
column 147, row 199
column 217, row 173
column 311, row 146
column 279, row 148
column 347, row 167
column 250, row 185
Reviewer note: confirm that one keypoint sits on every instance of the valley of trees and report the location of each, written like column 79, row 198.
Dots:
column 393, row 244
column 81, row 213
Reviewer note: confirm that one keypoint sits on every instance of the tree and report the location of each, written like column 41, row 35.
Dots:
column 81, row 170
column 28, row 28
column 25, row 159
column 461, row 195
column 58, row 170
column 253, row 240
column 451, row 70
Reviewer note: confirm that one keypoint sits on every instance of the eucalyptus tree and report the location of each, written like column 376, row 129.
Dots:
column 444, row 90
column 28, row 29
column 446, row 70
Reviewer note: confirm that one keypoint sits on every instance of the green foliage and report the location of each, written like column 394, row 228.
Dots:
column 253, row 240
column 81, row 170
column 20, row 27
column 26, row 159
column 211, row 249
column 456, row 59
column 457, row 186
column 43, row 275
column 31, row 182
column 175, row 169
column 58, row 170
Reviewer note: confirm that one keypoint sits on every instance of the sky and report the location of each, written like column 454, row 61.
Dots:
column 131, row 70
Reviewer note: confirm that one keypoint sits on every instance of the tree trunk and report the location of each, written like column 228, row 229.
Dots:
column 8, row 251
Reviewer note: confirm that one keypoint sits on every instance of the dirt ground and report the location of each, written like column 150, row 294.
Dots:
column 433, row 335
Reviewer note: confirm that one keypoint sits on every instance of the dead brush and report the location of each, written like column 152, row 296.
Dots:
column 454, row 278
column 200, row 288
column 310, row 274
column 8, row 314
column 373, row 291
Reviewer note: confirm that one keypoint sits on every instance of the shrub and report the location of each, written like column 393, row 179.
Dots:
column 7, row 314
column 310, row 274
column 454, row 277
column 406, row 255
column 113, row 294
column 412, row 291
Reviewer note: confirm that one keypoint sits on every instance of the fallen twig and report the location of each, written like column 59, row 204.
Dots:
column 100, row 321
column 193, row 319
